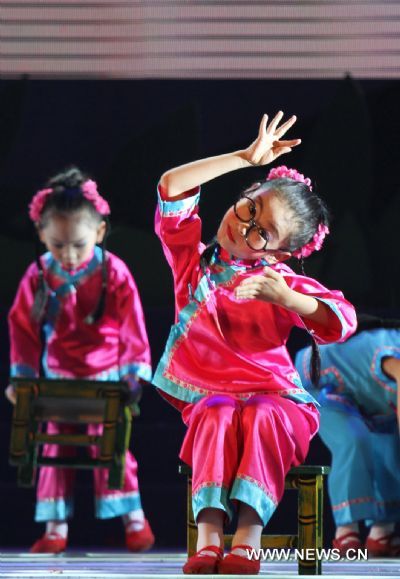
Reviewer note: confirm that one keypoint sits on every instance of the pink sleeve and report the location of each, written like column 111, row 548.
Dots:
column 340, row 309
column 25, row 343
column 134, row 350
column 178, row 225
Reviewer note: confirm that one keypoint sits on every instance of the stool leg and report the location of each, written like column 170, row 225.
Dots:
column 116, row 476
column 191, row 525
column 107, row 444
column 20, row 443
column 310, row 523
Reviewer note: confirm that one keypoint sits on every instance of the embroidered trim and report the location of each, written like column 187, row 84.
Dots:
column 377, row 356
column 357, row 501
column 259, row 485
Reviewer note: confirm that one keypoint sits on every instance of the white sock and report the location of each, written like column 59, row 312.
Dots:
column 344, row 529
column 59, row 527
column 134, row 520
column 380, row 530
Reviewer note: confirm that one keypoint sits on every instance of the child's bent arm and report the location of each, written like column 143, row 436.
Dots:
column 311, row 308
column 391, row 366
column 263, row 150
column 184, row 178
column 25, row 342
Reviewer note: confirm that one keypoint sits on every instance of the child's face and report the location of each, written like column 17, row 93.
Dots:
column 71, row 237
column 271, row 214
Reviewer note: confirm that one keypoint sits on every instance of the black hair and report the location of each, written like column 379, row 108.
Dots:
column 307, row 208
column 366, row 322
column 309, row 211
column 67, row 197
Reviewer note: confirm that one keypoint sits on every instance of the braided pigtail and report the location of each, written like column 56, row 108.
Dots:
column 98, row 312
column 42, row 292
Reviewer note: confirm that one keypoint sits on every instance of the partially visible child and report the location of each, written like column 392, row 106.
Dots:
column 226, row 366
column 360, row 416
column 77, row 314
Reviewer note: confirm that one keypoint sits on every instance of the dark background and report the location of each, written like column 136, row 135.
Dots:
column 125, row 134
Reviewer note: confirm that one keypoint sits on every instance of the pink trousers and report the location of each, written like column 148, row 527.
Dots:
column 243, row 450
column 55, row 486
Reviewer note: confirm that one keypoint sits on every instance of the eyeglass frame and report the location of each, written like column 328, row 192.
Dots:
column 254, row 225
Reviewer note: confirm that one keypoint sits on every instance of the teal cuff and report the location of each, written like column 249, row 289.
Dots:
column 115, row 506
column 54, row 510
column 211, row 497
column 250, row 493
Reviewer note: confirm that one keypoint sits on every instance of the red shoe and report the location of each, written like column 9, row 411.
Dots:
column 204, row 564
column 383, row 547
column 351, row 540
column 142, row 540
column 49, row 543
column 238, row 564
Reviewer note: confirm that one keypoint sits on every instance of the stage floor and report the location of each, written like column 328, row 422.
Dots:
column 153, row 565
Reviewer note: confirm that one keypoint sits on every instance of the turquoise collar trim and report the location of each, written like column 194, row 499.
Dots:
column 55, row 268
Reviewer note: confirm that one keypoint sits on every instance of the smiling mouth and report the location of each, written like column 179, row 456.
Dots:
column 229, row 234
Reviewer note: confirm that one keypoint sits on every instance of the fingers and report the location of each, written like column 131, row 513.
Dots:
column 263, row 125
column 249, row 288
column 247, row 293
column 272, row 274
column 292, row 143
column 253, row 280
column 10, row 394
column 286, row 126
column 275, row 122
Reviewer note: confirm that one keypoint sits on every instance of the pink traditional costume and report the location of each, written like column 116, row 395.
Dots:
column 227, row 368
column 114, row 348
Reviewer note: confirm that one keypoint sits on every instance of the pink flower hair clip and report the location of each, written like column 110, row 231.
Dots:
column 315, row 244
column 37, row 204
column 89, row 191
column 284, row 172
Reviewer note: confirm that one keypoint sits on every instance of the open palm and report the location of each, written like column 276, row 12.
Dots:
column 267, row 147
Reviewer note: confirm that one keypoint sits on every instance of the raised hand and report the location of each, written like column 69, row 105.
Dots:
column 267, row 147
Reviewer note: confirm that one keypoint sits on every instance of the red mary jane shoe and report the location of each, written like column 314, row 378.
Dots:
column 383, row 547
column 238, row 564
column 350, row 540
column 49, row 543
column 142, row 540
column 200, row 564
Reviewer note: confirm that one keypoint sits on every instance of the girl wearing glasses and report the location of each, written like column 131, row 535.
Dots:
column 226, row 366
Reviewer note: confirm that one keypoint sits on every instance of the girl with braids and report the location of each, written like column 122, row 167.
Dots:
column 360, row 416
column 226, row 366
column 77, row 314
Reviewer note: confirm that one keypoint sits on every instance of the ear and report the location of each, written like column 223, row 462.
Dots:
column 278, row 256
column 40, row 232
column 101, row 231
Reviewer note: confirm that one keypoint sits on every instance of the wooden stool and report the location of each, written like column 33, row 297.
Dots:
column 79, row 402
column 308, row 480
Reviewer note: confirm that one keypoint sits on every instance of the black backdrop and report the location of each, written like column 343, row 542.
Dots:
column 125, row 134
